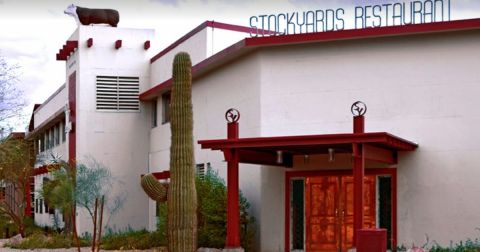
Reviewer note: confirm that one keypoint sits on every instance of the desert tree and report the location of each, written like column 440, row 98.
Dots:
column 11, row 96
column 79, row 186
column 16, row 167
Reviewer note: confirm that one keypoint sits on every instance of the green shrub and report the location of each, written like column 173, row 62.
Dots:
column 7, row 227
column 212, row 214
column 133, row 239
column 463, row 246
column 39, row 240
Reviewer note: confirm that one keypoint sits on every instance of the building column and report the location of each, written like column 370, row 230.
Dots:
column 358, row 174
column 233, row 210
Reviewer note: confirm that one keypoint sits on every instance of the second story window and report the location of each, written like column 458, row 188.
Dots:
column 154, row 113
column 57, row 134
column 62, row 131
column 166, row 98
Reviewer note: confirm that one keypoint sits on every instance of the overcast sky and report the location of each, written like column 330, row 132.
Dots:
column 32, row 31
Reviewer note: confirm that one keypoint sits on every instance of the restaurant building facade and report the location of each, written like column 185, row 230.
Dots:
column 313, row 172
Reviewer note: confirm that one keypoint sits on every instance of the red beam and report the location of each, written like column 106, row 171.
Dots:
column 118, row 44
column 264, row 158
column 72, row 43
column 162, row 175
column 381, row 138
column 379, row 154
column 60, row 57
column 387, row 31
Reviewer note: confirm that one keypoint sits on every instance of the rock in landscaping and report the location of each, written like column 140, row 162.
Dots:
column 17, row 239
column 208, row 250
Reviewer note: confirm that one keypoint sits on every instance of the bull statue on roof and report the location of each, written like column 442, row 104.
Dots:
column 86, row 16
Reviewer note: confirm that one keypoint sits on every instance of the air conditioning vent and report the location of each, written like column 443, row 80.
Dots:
column 117, row 93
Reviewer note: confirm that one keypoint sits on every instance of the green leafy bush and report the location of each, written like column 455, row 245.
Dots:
column 212, row 214
column 51, row 241
column 133, row 239
column 463, row 246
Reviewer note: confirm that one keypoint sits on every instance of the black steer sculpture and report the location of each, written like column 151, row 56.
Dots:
column 86, row 16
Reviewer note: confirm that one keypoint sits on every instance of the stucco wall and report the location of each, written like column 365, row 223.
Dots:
column 234, row 86
column 423, row 88
column 118, row 140
column 219, row 39
column 196, row 46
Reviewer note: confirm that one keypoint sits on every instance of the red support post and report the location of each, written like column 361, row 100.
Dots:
column 358, row 174
column 358, row 124
column 233, row 211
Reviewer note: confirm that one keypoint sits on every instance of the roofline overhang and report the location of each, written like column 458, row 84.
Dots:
column 52, row 120
column 248, row 45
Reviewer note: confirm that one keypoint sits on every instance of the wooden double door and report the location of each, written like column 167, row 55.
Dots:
column 329, row 211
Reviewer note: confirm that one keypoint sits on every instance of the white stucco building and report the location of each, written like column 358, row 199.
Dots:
column 296, row 146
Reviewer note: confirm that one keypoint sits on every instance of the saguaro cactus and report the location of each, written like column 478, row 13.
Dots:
column 182, row 195
column 154, row 189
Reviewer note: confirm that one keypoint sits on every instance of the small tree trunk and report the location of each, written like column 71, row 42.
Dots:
column 75, row 235
column 21, row 230
column 101, row 223
column 95, row 225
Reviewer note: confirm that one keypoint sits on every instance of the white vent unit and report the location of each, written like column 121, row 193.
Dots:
column 117, row 93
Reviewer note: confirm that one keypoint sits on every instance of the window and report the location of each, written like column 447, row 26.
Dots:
column 40, row 206
column 200, row 169
column 57, row 134
column 36, row 205
column 166, row 98
column 116, row 93
column 36, row 146
column 46, row 207
column 62, row 131
column 47, row 140
column 51, row 135
column 42, row 143
column 154, row 114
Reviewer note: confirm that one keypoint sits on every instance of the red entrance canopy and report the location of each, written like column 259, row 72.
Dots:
column 379, row 146
column 376, row 146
